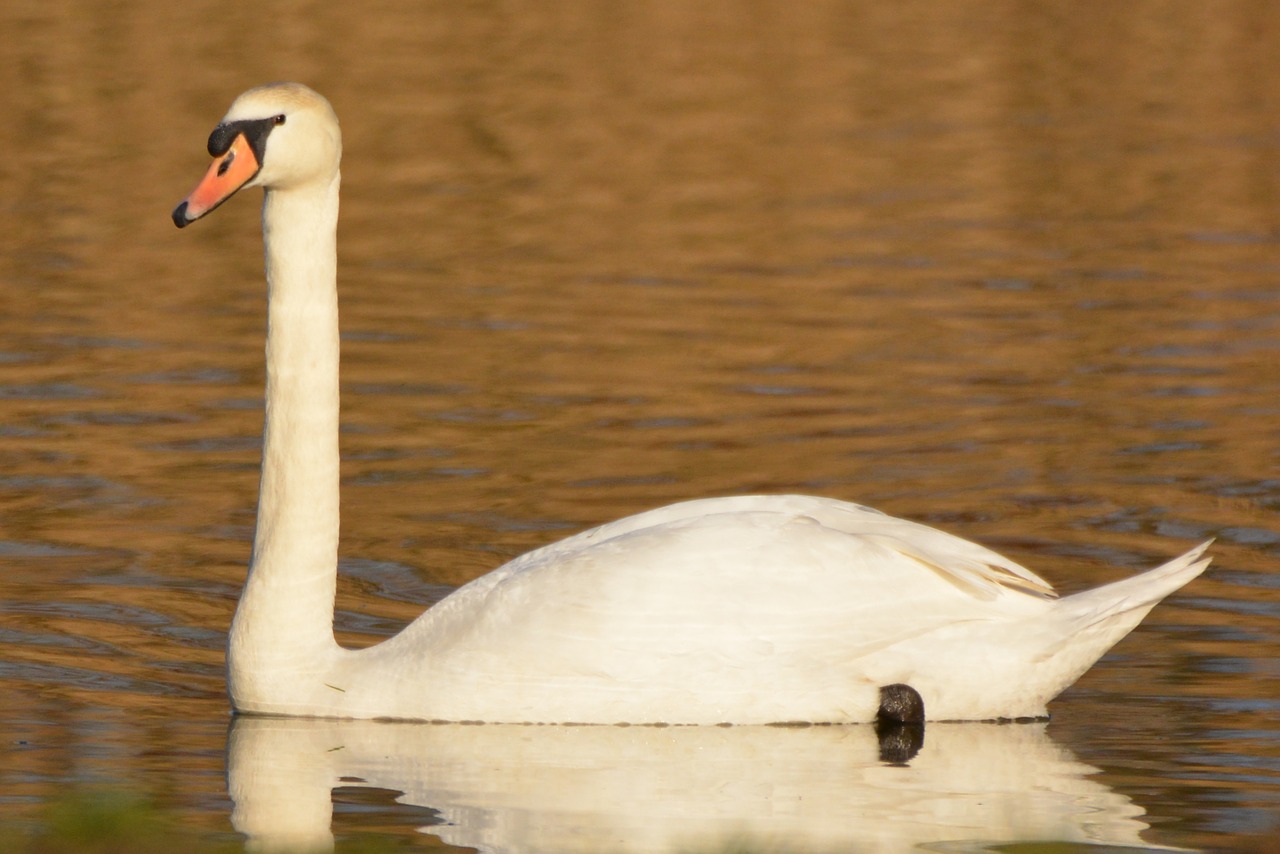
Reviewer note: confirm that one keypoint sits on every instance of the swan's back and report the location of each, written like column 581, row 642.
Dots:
column 753, row 609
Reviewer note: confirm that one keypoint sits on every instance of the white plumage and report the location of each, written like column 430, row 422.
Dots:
column 751, row 609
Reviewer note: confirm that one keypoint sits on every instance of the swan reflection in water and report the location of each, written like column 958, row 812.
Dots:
column 502, row 788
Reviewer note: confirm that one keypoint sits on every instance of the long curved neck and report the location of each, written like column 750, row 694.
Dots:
column 283, row 626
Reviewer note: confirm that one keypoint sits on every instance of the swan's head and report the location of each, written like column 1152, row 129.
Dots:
column 278, row 136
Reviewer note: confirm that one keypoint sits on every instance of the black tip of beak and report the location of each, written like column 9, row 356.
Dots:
column 180, row 216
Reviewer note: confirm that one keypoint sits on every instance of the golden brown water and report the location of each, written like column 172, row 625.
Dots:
column 1007, row 268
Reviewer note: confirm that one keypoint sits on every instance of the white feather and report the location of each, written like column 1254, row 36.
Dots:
column 751, row 609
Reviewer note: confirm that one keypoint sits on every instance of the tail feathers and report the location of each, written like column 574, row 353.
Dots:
column 1139, row 593
column 1084, row 626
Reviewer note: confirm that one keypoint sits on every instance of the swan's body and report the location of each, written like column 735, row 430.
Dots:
column 753, row 609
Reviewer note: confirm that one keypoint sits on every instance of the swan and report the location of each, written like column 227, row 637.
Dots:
column 745, row 610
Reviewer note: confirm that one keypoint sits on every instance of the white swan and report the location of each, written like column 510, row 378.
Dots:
column 752, row 609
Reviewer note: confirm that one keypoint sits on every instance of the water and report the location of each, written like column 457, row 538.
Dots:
column 1004, row 269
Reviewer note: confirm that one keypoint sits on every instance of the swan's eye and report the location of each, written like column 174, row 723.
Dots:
column 279, row 119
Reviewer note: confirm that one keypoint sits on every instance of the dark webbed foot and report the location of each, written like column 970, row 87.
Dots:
column 900, row 704
column 900, row 723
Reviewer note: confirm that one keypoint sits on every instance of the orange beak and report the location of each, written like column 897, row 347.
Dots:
column 228, row 173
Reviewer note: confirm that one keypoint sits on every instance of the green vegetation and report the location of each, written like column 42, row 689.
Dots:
column 113, row 822
column 107, row 822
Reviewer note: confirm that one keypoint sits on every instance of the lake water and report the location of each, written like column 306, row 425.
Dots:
column 1009, row 269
